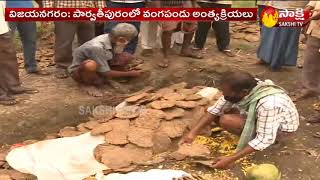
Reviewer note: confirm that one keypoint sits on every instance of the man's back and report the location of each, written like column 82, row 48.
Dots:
column 102, row 41
column 282, row 108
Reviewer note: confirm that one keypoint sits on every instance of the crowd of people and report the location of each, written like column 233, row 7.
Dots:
column 106, row 48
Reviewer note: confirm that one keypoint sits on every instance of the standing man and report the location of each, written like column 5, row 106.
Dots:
column 65, row 32
column 311, row 67
column 221, row 28
column 9, row 81
column 169, row 27
column 28, row 36
column 132, row 46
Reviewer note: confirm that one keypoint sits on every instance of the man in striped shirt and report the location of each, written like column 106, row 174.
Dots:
column 65, row 32
column 275, row 116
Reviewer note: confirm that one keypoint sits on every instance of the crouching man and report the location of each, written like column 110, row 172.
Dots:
column 102, row 58
column 266, row 113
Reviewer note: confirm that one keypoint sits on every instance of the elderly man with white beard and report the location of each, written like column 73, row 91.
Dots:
column 102, row 58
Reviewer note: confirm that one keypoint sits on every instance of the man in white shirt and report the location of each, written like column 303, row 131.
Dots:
column 9, row 81
column 266, row 113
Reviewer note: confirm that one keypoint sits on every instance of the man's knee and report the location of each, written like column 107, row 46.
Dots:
column 225, row 120
column 89, row 65
column 233, row 123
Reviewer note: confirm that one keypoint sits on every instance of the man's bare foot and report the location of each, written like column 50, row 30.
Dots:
column 147, row 52
column 22, row 90
column 260, row 62
column 61, row 73
column 92, row 91
column 164, row 63
column 7, row 100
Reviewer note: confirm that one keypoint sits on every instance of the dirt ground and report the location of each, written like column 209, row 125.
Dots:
column 59, row 102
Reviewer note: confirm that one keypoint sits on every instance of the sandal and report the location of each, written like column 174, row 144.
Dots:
column 163, row 63
column 61, row 74
column 316, row 135
column 23, row 90
column 314, row 120
column 228, row 52
column 7, row 101
column 192, row 55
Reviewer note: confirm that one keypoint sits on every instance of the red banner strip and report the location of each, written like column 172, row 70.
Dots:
column 131, row 14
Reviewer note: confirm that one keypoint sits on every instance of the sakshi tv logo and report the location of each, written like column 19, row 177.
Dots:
column 272, row 17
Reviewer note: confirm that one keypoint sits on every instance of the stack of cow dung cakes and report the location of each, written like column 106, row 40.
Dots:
column 247, row 31
column 142, row 132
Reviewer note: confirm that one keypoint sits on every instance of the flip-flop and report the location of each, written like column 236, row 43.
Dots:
column 8, row 101
column 228, row 52
column 195, row 56
column 31, row 91
column 61, row 74
column 24, row 91
column 316, row 135
column 163, row 65
column 314, row 120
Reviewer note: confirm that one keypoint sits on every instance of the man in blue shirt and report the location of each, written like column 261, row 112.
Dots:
column 28, row 36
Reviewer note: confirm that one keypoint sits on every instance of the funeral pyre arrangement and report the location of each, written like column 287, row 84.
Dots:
column 145, row 131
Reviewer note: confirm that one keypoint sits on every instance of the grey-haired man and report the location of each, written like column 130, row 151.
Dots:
column 103, row 57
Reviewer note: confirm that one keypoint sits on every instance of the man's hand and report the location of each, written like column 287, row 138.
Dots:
column 188, row 138
column 135, row 73
column 317, row 14
column 224, row 162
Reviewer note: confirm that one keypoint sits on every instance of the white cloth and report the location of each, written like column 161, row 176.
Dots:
column 4, row 28
column 70, row 158
column 149, row 34
column 154, row 174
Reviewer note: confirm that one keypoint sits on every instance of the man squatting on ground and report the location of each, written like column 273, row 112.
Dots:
column 102, row 57
column 269, row 113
